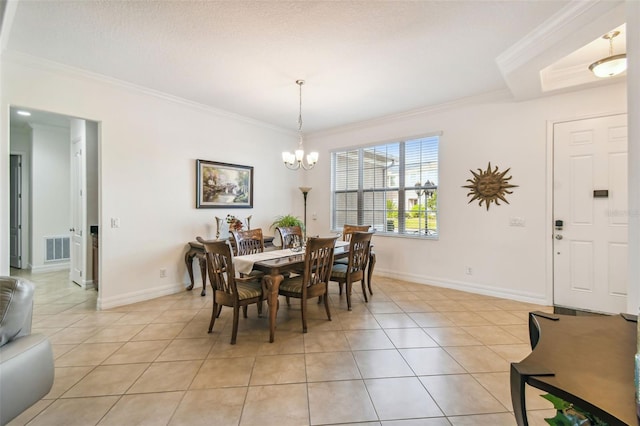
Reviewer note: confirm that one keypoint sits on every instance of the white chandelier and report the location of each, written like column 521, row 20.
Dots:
column 612, row 64
column 296, row 160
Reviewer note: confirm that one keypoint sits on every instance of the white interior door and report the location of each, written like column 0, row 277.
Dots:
column 591, row 214
column 78, row 191
column 15, row 220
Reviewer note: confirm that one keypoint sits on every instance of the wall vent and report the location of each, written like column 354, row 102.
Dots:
column 57, row 248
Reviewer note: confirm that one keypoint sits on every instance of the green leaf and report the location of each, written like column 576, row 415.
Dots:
column 558, row 403
column 559, row 420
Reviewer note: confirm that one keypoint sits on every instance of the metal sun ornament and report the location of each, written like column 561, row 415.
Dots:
column 489, row 186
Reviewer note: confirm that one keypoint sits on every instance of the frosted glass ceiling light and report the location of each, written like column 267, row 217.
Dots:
column 296, row 160
column 612, row 64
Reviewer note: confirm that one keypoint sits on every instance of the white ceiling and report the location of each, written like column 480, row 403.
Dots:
column 361, row 59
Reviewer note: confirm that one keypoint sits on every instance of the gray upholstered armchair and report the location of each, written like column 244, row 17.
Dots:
column 26, row 360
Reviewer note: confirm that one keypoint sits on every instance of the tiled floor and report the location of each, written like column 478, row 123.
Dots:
column 413, row 355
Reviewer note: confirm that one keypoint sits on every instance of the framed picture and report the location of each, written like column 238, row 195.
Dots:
column 222, row 185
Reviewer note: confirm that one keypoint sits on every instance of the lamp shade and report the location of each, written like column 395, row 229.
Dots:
column 609, row 66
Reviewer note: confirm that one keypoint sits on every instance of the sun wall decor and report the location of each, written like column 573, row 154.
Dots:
column 489, row 186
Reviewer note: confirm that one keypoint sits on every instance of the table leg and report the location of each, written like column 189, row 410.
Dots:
column 372, row 263
column 203, row 271
column 188, row 260
column 270, row 285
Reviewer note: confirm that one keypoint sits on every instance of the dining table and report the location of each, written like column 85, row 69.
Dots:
column 274, row 263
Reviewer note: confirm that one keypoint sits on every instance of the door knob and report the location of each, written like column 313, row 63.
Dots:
column 558, row 236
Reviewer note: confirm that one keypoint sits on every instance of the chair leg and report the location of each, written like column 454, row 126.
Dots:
column 372, row 263
column 340, row 289
column 234, row 332
column 214, row 312
column 348, row 290
column 219, row 311
column 303, row 304
column 364, row 291
column 326, row 305
column 244, row 311
column 288, row 300
column 260, row 309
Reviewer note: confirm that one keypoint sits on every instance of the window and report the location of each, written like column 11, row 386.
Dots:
column 393, row 187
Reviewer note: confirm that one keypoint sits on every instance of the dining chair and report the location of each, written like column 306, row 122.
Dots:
column 347, row 232
column 289, row 234
column 228, row 290
column 354, row 270
column 314, row 281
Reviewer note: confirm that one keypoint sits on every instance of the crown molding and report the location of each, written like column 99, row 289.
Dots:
column 23, row 59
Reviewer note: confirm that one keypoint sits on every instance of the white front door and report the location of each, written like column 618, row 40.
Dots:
column 590, row 214
column 78, row 190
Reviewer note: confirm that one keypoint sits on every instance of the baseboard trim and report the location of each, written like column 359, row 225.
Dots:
column 138, row 296
column 538, row 299
column 50, row 268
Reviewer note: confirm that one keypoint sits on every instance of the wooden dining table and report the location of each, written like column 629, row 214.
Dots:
column 281, row 261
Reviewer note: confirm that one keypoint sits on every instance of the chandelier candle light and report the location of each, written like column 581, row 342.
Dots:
column 612, row 64
column 296, row 160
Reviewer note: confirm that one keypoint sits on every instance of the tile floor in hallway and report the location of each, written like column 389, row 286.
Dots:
column 414, row 355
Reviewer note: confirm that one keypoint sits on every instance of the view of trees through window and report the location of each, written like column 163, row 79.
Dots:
column 393, row 187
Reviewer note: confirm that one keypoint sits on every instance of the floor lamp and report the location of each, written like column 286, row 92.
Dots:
column 305, row 190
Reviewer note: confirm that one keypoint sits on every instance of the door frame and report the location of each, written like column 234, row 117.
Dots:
column 24, row 210
column 549, row 228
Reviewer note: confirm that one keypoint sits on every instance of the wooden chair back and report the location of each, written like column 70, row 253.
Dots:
column 247, row 242
column 359, row 245
column 220, row 270
column 318, row 261
column 348, row 230
column 288, row 234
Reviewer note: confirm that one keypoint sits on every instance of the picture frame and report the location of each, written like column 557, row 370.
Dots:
column 223, row 185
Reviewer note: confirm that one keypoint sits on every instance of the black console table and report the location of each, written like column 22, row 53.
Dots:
column 585, row 360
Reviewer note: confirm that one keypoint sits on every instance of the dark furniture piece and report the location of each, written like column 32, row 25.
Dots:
column 196, row 250
column 354, row 269
column 227, row 289
column 347, row 232
column 585, row 360
column 289, row 234
column 314, row 282
column 26, row 359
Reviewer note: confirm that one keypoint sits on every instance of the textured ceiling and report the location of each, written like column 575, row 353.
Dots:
column 361, row 59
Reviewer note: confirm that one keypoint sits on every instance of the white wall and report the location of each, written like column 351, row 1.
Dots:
column 50, row 190
column 506, row 261
column 147, row 152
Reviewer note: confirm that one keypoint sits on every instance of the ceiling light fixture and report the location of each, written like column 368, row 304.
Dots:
column 25, row 113
column 296, row 160
column 612, row 64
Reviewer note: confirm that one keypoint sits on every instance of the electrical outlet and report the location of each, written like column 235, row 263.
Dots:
column 163, row 272
column 115, row 222
column 468, row 270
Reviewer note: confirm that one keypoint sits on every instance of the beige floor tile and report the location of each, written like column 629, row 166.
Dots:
column 166, row 377
column 410, row 338
column 75, row 411
column 107, row 380
column 478, row 359
column 278, row 369
column 461, row 318
column 431, row 319
column 512, row 353
column 451, row 336
column 519, row 331
column 200, row 328
column 491, row 335
column 409, row 306
column 449, row 306
column 64, row 378
column 185, row 349
column 377, row 307
column 197, row 409
column 59, row 350
column 499, row 419
column 340, row 402
column 285, row 343
column 502, row 318
column 58, row 320
column 135, row 317
column 401, row 398
column 431, row 361
column 159, row 332
column 148, row 409
column 326, row 366
column 99, row 319
column 395, row 320
column 224, row 372
column 72, row 335
column 87, row 354
column 432, row 421
column 115, row 333
column 500, row 387
column 25, row 417
column 131, row 352
column 355, row 321
column 325, row 341
column 381, row 363
column 461, row 394
column 368, row 339
column 175, row 315
column 292, row 408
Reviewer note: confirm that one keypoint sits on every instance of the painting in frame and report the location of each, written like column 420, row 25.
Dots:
column 223, row 185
